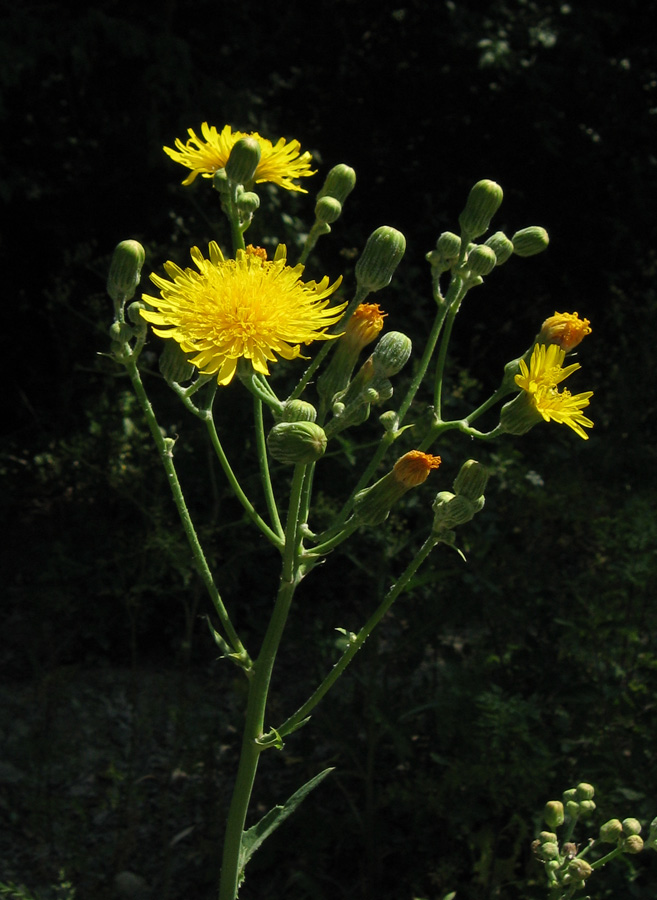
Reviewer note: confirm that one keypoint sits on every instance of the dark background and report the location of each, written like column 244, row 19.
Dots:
column 496, row 685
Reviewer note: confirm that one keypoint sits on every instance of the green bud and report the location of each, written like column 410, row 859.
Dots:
column 570, row 794
column 549, row 851
column 471, row 480
column 652, row 837
column 611, row 831
column 391, row 354
column 125, row 270
column 339, row 183
column 586, row 807
column 248, row 202
column 572, row 809
column 298, row 411
column 501, row 246
column 584, row 791
column 134, row 313
column 381, row 256
column 120, row 332
column 327, row 210
column 296, row 442
column 448, row 246
column 389, row 420
column 451, row 510
column 483, row 202
column 174, row 363
column 632, row 844
column 578, row 870
column 481, row 261
column 530, row 241
column 220, row 181
column 631, row 826
column 553, row 813
column 243, row 160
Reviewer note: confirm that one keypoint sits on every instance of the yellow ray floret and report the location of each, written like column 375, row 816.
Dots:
column 539, row 380
column 279, row 163
column 245, row 308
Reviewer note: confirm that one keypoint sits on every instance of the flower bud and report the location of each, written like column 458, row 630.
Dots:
column 391, row 353
column 547, row 837
column 572, row 809
column 447, row 252
column 631, row 826
column 611, row 831
column 471, row 480
column 174, row 363
column 652, row 836
column 248, row 202
column 298, row 411
column 570, row 794
column 501, row 246
column 586, row 807
column 584, row 791
column 381, row 256
column 578, row 870
column 327, row 210
column 339, row 183
column 481, row 261
column 553, row 813
column 632, row 844
column 548, row 850
column 243, row 160
column 451, row 510
column 125, row 270
column 296, row 442
column 530, row 241
column 483, row 202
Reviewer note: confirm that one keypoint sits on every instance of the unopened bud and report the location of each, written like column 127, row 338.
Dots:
column 327, row 210
column 554, row 814
column 451, row 510
column 372, row 505
column 391, row 353
column 243, row 160
column 518, row 416
column 586, row 807
column 339, row 183
column 298, row 411
column 125, row 270
column 632, row 844
column 248, row 202
column 501, row 246
column 572, row 809
column 483, row 202
column 296, row 442
column 481, row 261
column 381, row 256
column 611, row 831
column 631, row 826
column 471, row 480
column 530, row 241
column 578, row 870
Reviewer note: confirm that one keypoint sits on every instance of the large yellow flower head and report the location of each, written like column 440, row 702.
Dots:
column 539, row 383
column 279, row 163
column 245, row 308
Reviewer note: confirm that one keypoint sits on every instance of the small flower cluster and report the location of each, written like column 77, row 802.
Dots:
column 565, row 864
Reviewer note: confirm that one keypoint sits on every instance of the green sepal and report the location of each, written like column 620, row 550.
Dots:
column 253, row 837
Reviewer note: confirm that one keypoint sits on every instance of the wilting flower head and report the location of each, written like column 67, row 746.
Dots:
column 249, row 307
column 279, row 163
column 363, row 326
column 540, row 398
column 566, row 330
column 372, row 505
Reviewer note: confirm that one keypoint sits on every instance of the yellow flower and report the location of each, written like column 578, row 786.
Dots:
column 248, row 307
column 541, row 398
column 364, row 326
column 279, row 163
column 566, row 330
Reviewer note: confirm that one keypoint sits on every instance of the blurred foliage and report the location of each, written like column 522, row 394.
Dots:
column 493, row 685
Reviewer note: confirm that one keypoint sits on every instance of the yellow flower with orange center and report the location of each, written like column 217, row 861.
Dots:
column 566, row 330
column 247, row 308
column 280, row 163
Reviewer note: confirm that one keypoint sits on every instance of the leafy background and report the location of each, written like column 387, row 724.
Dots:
column 496, row 684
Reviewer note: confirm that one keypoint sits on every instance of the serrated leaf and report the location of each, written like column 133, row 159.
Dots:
column 254, row 836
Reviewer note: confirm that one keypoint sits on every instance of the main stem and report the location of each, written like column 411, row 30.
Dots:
column 257, row 699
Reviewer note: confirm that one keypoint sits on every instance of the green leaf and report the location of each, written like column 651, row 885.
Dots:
column 254, row 836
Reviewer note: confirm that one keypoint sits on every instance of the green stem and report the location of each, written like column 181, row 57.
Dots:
column 234, row 648
column 261, row 447
column 259, row 684
column 275, row 539
column 357, row 641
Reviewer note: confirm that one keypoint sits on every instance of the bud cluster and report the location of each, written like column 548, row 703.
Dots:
column 454, row 508
column 564, row 863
